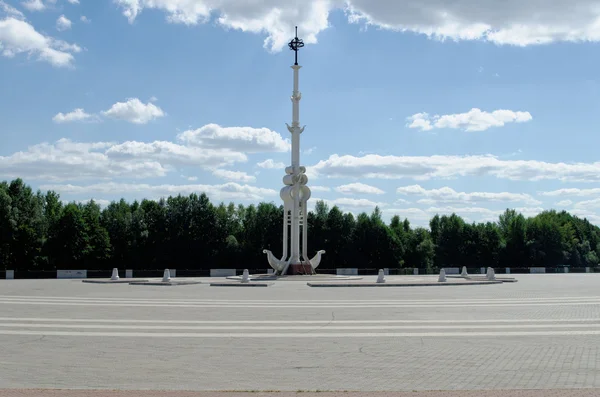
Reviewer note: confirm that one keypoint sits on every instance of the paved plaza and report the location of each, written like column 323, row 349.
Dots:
column 542, row 332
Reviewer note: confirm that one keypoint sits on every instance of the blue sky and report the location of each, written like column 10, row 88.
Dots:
column 420, row 109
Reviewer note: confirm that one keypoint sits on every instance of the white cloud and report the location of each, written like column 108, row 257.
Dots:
column 63, row 23
column 227, row 191
column 310, row 150
column 441, row 166
column 564, row 203
column 246, row 139
column 134, row 111
column 191, row 178
column 586, row 213
column 236, row 176
column 449, row 195
column 593, row 203
column 320, row 188
column 73, row 1
column 271, row 164
column 358, row 188
column 473, row 120
column 169, row 153
column 76, row 115
column 10, row 10
column 18, row 36
column 505, row 23
column 34, row 5
column 66, row 160
column 572, row 192
column 84, row 19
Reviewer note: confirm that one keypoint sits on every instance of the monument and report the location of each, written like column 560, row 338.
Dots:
column 295, row 195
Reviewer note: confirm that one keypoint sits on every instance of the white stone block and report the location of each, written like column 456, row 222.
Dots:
column 246, row 276
column 566, row 269
column 416, row 271
column 537, row 270
column 222, row 272
column 166, row 276
column 491, row 274
column 587, row 270
column 508, row 270
column 381, row 276
column 173, row 272
column 386, row 271
column 442, row 278
column 71, row 274
column 10, row 274
column 129, row 273
column 115, row 274
column 464, row 272
column 482, row 270
column 347, row 271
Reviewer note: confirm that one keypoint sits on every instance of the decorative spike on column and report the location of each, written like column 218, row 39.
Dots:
column 295, row 193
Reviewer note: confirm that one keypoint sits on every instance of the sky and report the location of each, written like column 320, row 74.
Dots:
column 418, row 107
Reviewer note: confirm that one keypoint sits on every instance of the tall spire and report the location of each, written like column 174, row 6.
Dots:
column 295, row 194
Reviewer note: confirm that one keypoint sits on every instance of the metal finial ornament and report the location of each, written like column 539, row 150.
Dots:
column 295, row 45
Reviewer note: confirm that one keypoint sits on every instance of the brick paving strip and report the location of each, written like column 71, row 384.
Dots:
column 157, row 393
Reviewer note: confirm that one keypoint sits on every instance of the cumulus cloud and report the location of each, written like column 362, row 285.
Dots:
column 441, row 166
column 227, row 191
column 246, row 139
column 320, row 188
column 271, row 164
column 572, row 192
column 358, row 188
column 564, row 203
column 10, row 11
column 76, row 115
column 34, row 5
column 84, row 19
column 236, row 176
column 73, row 1
column 352, row 204
column 449, row 195
column 504, row 23
column 63, row 23
column 134, row 111
column 17, row 36
column 473, row 120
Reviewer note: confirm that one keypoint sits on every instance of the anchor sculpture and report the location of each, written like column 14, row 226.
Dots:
column 295, row 193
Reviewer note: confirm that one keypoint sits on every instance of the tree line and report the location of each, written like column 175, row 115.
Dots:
column 39, row 232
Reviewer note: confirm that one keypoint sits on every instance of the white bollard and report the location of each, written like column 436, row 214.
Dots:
column 442, row 278
column 129, row 273
column 464, row 273
column 166, row 276
column 491, row 274
column 587, row 270
column 508, row 270
column 416, row 271
column 381, row 277
column 246, row 277
column 115, row 275
column 10, row 274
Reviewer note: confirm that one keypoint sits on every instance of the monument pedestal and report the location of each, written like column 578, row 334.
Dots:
column 299, row 268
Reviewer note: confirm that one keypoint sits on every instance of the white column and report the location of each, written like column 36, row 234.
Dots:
column 295, row 130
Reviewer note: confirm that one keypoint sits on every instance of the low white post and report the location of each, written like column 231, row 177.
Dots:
column 587, row 270
column 508, row 270
column 416, row 271
column 566, row 269
column 442, row 278
column 381, row 277
column 246, row 277
column 482, row 270
column 491, row 274
column 10, row 274
column 464, row 272
column 115, row 275
column 129, row 273
column 166, row 276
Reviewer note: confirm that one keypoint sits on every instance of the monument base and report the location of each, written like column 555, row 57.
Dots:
column 299, row 268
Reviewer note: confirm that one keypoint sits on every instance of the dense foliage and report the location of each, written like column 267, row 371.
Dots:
column 39, row 232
